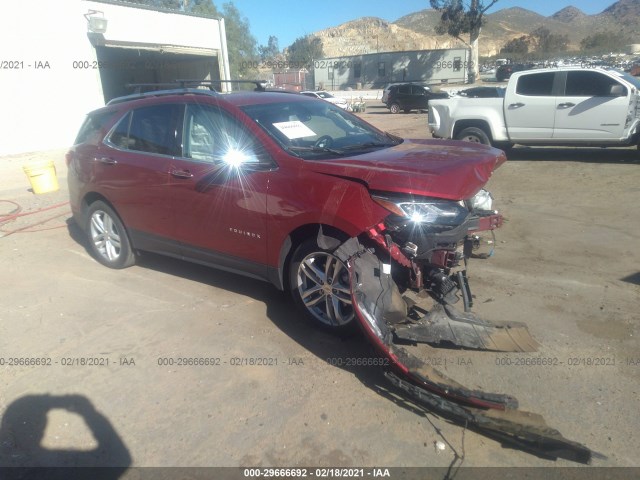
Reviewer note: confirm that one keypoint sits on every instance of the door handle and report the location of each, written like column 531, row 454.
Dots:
column 106, row 160
column 181, row 173
column 516, row 105
column 566, row 105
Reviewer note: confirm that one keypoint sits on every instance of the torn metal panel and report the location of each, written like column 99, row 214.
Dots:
column 387, row 317
column 525, row 430
column 443, row 325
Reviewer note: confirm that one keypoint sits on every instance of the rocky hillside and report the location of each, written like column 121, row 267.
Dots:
column 417, row 30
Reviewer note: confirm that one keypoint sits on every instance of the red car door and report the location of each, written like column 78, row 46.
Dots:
column 219, row 192
column 132, row 170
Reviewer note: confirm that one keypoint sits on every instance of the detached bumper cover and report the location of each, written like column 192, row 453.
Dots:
column 388, row 320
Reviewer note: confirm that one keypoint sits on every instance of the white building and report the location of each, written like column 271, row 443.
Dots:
column 375, row 70
column 60, row 59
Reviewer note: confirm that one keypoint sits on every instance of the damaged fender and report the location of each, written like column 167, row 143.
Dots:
column 390, row 319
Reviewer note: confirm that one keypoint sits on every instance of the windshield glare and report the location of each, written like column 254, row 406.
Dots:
column 316, row 129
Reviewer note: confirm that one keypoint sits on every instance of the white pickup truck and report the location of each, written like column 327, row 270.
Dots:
column 561, row 106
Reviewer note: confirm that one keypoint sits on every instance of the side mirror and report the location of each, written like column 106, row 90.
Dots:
column 617, row 91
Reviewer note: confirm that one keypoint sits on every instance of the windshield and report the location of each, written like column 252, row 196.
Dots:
column 314, row 130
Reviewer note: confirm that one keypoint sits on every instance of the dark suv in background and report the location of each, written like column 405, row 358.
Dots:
column 408, row 96
column 503, row 72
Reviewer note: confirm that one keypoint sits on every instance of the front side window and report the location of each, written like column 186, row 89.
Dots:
column 590, row 84
column 537, row 84
column 212, row 135
column 149, row 129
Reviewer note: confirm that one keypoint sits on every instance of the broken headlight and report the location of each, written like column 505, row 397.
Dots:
column 446, row 213
column 481, row 201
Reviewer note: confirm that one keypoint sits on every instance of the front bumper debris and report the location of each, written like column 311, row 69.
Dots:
column 391, row 320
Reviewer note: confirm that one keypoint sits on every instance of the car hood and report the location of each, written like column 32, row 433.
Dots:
column 433, row 168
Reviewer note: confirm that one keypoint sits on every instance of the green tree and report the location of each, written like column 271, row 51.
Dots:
column 603, row 42
column 548, row 42
column 518, row 47
column 458, row 19
column 304, row 49
column 241, row 45
column 270, row 50
column 201, row 7
column 168, row 4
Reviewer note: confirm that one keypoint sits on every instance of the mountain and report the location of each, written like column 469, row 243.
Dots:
column 416, row 31
column 569, row 14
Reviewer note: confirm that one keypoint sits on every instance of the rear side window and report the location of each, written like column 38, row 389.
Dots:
column 149, row 129
column 93, row 127
column 537, row 85
column 404, row 89
column 590, row 84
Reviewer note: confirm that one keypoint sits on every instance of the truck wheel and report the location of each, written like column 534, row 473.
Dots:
column 474, row 135
column 395, row 108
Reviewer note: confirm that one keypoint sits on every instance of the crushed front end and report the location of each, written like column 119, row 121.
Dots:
column 409, row 286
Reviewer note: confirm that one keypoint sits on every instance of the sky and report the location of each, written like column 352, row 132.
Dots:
column 290, row 19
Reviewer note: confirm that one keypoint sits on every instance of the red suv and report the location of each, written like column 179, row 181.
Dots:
column 270, row 185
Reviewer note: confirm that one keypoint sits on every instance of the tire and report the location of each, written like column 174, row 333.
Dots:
column 394, row 108
column 474, row 135
column 320, row 287
column 107, row 236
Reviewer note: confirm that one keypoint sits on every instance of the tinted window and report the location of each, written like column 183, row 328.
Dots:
column 537, row 84
column 417, row 90
column 93, row 126
column 149, row 129
column 210, row 134
column 590, row 84
column 404, row 89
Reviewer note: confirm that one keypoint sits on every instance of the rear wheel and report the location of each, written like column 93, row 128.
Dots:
column 320, row 287
column 474, row 135
column 394, row 108
column 108, row 239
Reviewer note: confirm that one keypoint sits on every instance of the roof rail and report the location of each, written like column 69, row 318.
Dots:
column 181, row 86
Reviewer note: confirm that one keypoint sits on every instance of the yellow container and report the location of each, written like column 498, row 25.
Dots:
column 42, row 177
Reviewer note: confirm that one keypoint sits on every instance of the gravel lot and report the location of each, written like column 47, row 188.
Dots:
column 567, row 263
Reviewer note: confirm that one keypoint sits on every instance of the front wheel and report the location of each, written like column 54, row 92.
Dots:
column 320, row 287
column 474, row 135
column 108, row 238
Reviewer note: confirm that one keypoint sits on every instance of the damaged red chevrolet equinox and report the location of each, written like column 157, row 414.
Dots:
column 362, row 227
column 268, row 184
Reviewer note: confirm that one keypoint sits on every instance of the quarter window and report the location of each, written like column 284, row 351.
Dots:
column 537, row 85
column 91, row 130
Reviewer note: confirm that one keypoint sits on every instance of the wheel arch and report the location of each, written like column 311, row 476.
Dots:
column 481, row 124
column 87, row 200
column 293, row 240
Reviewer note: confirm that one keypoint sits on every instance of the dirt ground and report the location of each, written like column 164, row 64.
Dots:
column 566, row 263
